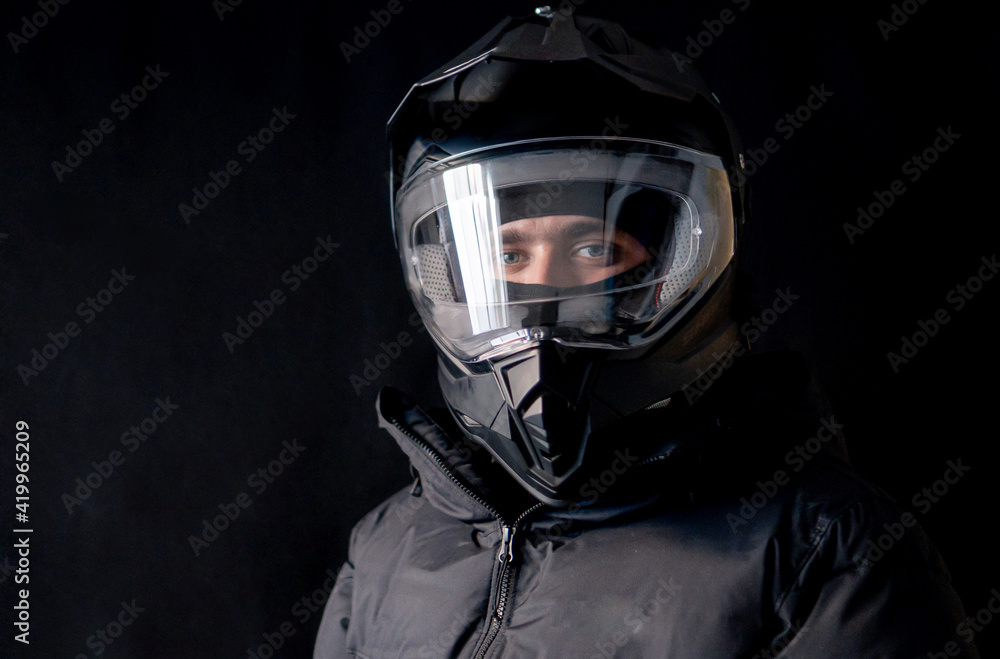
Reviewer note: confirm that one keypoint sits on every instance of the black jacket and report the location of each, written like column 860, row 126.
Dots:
column 744, row 536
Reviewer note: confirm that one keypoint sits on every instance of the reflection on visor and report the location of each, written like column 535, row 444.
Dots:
column 475, row 228
column 499, row 253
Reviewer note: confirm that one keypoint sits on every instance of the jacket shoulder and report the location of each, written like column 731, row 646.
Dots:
column 860, row 563
column 837, row 517
column 387, row 517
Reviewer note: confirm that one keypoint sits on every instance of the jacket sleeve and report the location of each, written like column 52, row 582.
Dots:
column 331, row 642
column 872, row 585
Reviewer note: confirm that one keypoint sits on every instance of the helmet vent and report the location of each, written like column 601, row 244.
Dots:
column 433, row 271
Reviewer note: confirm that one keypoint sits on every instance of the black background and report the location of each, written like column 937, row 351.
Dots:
column 324, row 175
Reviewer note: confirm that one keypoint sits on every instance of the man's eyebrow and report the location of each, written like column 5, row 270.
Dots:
column 512, row 235
column 582, row 227
column 572, row 229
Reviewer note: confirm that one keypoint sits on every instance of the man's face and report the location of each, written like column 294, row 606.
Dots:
column 566, row 250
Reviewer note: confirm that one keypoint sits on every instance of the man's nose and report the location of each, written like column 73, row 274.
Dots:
column 549, row 269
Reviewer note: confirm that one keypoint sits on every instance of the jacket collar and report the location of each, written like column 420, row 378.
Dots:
column 744, row 425
column 451, row 474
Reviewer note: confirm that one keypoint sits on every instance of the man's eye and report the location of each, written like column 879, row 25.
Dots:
column 596, row 251
column 510, row 258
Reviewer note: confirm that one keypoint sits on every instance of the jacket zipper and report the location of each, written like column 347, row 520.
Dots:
column 506, row 557
column 506, row 553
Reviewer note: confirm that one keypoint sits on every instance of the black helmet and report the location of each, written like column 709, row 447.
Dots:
column 562, row 206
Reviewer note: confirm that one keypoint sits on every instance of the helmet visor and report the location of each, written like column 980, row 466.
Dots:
column 552, row 239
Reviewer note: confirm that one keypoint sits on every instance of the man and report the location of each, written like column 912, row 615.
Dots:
column 568, row 205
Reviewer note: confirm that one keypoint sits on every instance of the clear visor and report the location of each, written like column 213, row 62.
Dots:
column 553, row 239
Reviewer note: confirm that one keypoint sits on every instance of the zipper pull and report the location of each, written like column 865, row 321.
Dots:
column 418, row 487
column 506, row 554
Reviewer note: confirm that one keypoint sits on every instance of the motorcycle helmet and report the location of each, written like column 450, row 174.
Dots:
column 567, row 206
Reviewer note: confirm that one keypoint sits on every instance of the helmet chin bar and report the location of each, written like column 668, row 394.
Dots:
column 548, row 413
column 545, row 389
column 532, row 411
